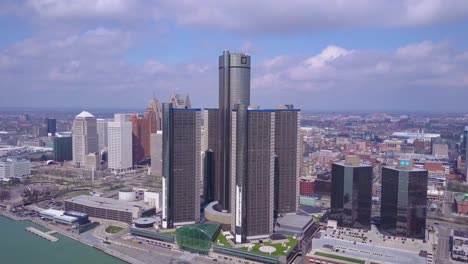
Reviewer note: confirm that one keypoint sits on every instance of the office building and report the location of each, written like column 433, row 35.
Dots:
column 212, row 182
column 181, row 165
column 234, row 88
column 108, row 208
column 180, row 101
column 154, row 114
column 440, row 150
column 11, row 167
column 120, row 143
column 63, row 147
column 156, row 153
column 404, row 200
column 252, row 186
column 84, row 137
column 102, row 133
column 351, row 194
column 51, row 126
column 460, row 245
column 141, row 138
column 465, row 152
column 287, row 159
column 93, row 161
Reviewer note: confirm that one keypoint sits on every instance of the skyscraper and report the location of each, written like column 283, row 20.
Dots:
column 154, row 114
column 51, row 126
column 180, row 101
column 120, row 143
column 252, row 181
column 404, row 200
column 181, row 165
column 84, row 136
column 156, row 153
column 102, row 133
column 465, row 152
column 141, row 138
column 351, row 195
column 288, row 157
column 234, row 88
column 210, row 147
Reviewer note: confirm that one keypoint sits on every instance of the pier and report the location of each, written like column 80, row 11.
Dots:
column 45, row 235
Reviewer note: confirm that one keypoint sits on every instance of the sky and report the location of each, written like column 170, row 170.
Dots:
column 334, row 55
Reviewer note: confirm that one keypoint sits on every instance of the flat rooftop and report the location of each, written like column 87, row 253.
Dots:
column 107, row 203
column 459, row 233
column 343, row 163
column 293, row 220
column 404, row 168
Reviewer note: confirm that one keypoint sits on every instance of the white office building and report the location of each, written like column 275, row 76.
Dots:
column 102, row 133
column 85, row 138
column 120, row 143
column 156, row 153
column 14, row 168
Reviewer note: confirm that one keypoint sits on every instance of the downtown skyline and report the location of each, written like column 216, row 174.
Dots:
column 369, row 56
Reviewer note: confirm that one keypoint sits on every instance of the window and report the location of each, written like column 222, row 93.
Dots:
column 244, row 60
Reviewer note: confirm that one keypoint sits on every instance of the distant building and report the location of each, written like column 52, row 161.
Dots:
column 154, row 114
column 404, row 200
column 141, row 139
column 288, row 158
column 93, row 161
column 156, row 153
column 460, row 245
column 351, row 195
column 51, row 126
column 440, row 150
column 181, row 166
column 213, row 183
column 11, row 167
column 84, row 137
column 120, row 144
column 63, row 147
column 180, row 101
column 465, row 141
column 102, row 133
column 252, row 182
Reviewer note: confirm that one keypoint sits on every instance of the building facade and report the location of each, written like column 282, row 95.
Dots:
column 180, row 101
column 156, row 153
column 351, row 194
column 141, row 138
column 234, row 88
column 51, row 125
column 14, row 168
column 213, row 185
column 181, row 165
column 252, row 152
column 84, row 137
column 287, row 159
column 63, row 148
column 404, row 200
column 120, row 143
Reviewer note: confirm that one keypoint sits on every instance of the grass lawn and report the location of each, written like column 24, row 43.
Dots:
column 332, row 256
column 114, row 229
column 223, row 240
column 280, row 250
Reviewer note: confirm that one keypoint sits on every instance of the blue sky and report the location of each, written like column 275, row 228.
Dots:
column 337, row 55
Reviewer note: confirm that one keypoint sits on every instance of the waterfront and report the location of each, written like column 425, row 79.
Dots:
column 18, row 246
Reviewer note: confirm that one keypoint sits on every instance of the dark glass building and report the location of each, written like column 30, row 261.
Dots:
column 181, row 165
column 253, row 148
column 51, row 125
column 213, row 184
column 404, row 200
column 234, row 88
column 287, row 159
column 63, row 148
column 351, row 194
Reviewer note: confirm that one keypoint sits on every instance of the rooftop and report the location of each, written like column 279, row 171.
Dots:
column 459, row 233
column 107, row 203
column 84, row 114
column 294, row 220
column 343, row 163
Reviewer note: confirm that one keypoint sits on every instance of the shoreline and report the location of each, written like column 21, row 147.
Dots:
column 107, row 251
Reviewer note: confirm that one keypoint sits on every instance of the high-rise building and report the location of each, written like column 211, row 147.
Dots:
column 154, row 114
column 252, row 181
column 63, row 147
column 181, row 165
column 156, row 153
column 51, row 126
column 120, row 143
column 210, row 142
column 404, row 200
column 102, row 133
column 180, row 101
column 84, row 137
column 234, row 88
column 351, row 195
column 141, row 138
column 465, row 152
column 288, row 158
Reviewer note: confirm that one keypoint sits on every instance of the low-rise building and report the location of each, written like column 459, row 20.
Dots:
column 11, row 167
column 461, row 203
column 460, row 246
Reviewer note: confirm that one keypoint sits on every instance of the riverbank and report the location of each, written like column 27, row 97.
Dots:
column 73, row 236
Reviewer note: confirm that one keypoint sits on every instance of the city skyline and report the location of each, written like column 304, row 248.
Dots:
column 410, row 57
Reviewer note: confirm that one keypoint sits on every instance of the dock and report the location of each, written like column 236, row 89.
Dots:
column 45, row 235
